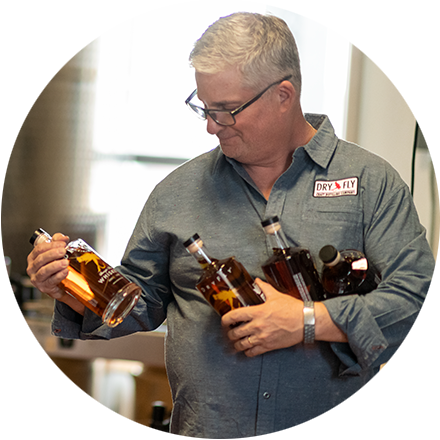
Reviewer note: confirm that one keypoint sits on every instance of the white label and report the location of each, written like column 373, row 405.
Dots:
column 336, row 188
column 302, row 288
column 361, row 264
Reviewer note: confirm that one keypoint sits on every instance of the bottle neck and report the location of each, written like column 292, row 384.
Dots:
column 276, row 237
column 41, row 236
column 337, row 259
column 198, row 251
column 203, row 258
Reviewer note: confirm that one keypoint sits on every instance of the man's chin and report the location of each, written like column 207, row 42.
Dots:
column 228, row 151
column 228, row 147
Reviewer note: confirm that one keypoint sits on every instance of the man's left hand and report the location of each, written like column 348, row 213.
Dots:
column 278, row 323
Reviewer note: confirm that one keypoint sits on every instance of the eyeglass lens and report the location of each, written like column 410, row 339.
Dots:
column 222, row 118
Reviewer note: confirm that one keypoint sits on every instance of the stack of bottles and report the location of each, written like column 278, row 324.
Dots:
column 227, row 285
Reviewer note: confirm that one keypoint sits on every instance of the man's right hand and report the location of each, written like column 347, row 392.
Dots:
column 47, row 267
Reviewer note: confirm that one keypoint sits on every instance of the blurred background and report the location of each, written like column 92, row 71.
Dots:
column 112, row 123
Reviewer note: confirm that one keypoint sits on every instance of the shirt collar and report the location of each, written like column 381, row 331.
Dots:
column 322, row 146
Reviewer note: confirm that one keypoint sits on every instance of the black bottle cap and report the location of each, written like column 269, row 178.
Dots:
column 194, row 238
column 36, row 234
column 328, row 253
column 270, row 221
column 158, row 411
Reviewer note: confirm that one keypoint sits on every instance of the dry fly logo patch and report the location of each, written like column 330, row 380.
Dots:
column 336, row 188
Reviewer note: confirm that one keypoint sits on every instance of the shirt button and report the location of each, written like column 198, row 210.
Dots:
column 266, row 395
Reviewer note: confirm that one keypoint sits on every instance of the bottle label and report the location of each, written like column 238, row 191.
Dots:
column 92, row 280
column 258, row 291
column 91, row 257
column 302, row 288
column 109, row 275
column 229, row 287
column 361, row 264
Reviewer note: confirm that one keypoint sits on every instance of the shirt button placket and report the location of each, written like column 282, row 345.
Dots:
column 267, row 402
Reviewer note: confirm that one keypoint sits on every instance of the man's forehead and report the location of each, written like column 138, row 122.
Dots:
column 220, row 89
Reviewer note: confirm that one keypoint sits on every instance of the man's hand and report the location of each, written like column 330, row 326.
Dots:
column 278, row 323
column 47, row 267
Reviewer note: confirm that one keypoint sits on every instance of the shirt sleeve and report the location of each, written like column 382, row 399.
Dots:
column 376, row 323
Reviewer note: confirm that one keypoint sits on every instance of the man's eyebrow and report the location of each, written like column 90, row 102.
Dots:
column 222, row 104
column 218, row 105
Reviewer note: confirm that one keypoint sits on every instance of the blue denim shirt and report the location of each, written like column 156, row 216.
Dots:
column 218, row 393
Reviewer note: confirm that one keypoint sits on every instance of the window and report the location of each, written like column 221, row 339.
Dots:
column 142, row 128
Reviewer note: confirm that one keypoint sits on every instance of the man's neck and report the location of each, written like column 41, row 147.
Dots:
column 265, row 176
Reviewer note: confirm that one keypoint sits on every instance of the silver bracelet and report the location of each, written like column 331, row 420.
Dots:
column 309, row 322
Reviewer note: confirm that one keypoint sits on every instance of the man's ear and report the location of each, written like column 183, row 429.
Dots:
column 286, row 94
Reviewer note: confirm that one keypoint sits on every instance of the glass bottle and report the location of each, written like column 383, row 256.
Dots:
column 158, row 420
column 225, row 284
column 94, row 283
column 346, row 272
column 290, row 270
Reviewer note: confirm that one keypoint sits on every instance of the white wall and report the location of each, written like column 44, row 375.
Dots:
column 385, row 73
column 383, row 104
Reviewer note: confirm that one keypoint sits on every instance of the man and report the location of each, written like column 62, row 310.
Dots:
column 270, row 161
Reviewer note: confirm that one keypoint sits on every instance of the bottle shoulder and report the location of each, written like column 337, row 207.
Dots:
column 350, row 255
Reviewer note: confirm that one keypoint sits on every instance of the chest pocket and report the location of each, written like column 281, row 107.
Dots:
column 342, row 229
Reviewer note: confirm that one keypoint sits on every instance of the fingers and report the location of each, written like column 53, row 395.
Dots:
column 47, row 267
column 273, row 325
column 245, row 314
column 250, row 346
column 243, row 340
column 61, row 237
column 236, row 317
column 239, row 332
column 267, row 289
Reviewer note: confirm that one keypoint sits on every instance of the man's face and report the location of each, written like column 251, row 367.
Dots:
column 254, row 139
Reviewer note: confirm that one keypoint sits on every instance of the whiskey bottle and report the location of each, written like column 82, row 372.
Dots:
column 290, row 270
column 158, row 420
column 346, row 272
column 225, row 283
column 94, row 283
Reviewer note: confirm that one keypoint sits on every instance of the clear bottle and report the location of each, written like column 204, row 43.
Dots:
column 290, row 270
column 225, row 284
column 346, row 272
column 94, row 283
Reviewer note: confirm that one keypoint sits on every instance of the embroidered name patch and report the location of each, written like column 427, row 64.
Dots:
column 336, row 188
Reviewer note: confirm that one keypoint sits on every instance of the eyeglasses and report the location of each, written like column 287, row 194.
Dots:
column 226, row 117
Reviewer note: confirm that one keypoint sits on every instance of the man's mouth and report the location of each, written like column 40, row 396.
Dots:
column 223, row 138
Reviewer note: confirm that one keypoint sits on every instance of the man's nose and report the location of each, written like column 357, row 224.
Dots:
column 212, row 126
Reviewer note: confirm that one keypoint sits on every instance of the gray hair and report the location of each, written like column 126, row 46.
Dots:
column 261, row 46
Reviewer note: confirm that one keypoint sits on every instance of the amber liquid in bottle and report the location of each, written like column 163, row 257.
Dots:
column 347, row 272
column 94, row 283
column 290, row 270
column 225, row 284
